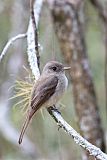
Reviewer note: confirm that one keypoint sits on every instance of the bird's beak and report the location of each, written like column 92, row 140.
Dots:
column 67, row 68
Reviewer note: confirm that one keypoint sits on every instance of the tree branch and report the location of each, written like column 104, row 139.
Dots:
column 92, row 150
column 35, row 32
column 31, row 36
column 10, row 42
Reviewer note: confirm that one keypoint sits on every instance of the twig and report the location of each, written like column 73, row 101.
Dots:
column 93, row 150
column 10, row 42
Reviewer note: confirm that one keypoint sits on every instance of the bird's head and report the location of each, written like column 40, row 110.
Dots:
column 54, row 67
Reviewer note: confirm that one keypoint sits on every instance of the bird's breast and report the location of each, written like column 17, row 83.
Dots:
column 60, row 89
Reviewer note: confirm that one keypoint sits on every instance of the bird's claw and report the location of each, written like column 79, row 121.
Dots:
column 59, row 126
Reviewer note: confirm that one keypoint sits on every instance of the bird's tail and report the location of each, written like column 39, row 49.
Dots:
column 30, row 114
column 25, row 125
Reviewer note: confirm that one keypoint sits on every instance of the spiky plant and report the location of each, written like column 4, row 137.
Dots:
column 23, row 93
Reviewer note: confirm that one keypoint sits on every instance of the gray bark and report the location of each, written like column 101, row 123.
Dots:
column 68, row 19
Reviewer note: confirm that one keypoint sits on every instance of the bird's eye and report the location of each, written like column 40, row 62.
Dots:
column 54, row 68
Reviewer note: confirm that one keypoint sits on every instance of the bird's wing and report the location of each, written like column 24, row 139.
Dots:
column 43, row 91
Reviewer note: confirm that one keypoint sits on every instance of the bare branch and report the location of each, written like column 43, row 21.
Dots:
column 93, row 150
column 32, row 52
column 35, row 32
column 10, row 42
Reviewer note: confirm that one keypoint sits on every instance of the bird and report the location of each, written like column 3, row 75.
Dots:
column 47, row 90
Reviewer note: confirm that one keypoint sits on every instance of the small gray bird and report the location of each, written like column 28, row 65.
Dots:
column 47, row 90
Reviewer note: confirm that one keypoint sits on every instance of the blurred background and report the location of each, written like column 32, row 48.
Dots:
column 43, row 140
